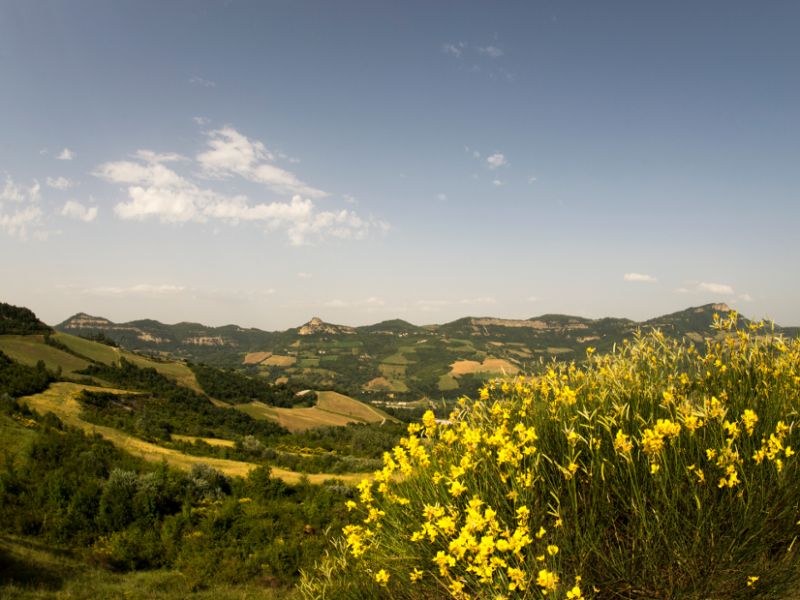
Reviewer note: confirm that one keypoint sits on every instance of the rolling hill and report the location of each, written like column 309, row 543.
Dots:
column 393, row 359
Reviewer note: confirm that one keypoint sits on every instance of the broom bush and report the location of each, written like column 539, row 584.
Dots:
column 660, row 470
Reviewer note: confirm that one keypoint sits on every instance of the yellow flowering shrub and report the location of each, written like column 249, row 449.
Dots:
column 662, row 470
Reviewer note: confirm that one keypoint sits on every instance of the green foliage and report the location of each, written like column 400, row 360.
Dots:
column 164, row 407
column 78, row 490
column 101, row 338
column 235, row 388
column 20, row 380
column 20, row 321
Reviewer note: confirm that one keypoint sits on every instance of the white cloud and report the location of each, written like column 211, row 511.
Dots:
column 455, row 50
column 76, row 210
column 715, row 288
column 745, row 297
column 639, row 278
column 202, row 82
column 532, row 298
column 19, row 209
column 232, row 153
column 705, row 287
column 303, row 275
column 141, row 289
column 532, row 179
column 66, row 154
column 158, row 157
column 497, row 182
column 491, row 51
column 201, row 121
column 60, row 183
column 157, row 191
column 441, row 197
column 496, row 160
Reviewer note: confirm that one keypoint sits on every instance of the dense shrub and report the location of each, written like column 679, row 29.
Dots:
column 659, row 471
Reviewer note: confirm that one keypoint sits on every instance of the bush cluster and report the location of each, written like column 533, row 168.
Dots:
column 661, row 470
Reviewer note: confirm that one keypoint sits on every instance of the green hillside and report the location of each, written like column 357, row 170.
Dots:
column 393, row 360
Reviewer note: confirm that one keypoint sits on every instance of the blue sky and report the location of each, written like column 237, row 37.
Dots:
column 263, row 162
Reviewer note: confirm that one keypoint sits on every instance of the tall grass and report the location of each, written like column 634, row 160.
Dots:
column 658, row 471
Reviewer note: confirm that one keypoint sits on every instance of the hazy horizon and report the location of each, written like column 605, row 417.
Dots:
column 260, row 163
column 374, row 322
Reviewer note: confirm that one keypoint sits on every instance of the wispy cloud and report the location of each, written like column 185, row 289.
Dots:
column 455, row 50
column 202, row 82
column 496, row 160
column 66, row 154
column 304, row 275
column 491, row 51
column 231, row 153
column 60, row 183
column 158, row 191
column 706, row 287
column 639, row 278
column 20, row 214
column 715, row 288
column 141, row 289
column 76, row 210
column 497, row 183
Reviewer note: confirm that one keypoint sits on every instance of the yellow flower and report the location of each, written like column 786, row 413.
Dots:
column 416, row 575
column 457, row 488
column 749, row 418
column 547, row 580
column 552, row 549
column 575, row 593
column 751, row 581
column 382, row 577
column 652, row 442
column 622, row 443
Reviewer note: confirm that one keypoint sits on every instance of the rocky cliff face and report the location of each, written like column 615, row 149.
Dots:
column 317, row 325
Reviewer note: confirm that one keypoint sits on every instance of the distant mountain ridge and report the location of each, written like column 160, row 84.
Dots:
column 148, row 334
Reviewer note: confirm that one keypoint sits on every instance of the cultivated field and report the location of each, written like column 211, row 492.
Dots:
column 61, row 400
column 489, row 366
column 332, row 410
column 253, row 358
column 279, row 361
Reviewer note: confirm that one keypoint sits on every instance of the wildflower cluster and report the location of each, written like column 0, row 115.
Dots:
column 627, row 472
